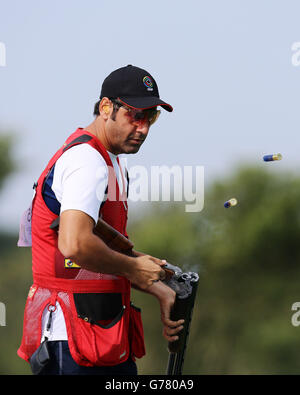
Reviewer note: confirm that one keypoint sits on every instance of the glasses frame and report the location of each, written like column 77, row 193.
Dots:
column 138, row 115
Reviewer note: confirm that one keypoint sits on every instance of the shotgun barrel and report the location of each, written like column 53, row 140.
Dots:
column 185, row 287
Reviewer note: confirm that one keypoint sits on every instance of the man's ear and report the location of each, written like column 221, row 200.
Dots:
column 104, row 107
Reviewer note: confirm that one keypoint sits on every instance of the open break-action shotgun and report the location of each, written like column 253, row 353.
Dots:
column 184, row 284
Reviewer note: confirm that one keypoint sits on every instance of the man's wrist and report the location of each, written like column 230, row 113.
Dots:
column 159, row 289
column 124, row 265
column 137, row 253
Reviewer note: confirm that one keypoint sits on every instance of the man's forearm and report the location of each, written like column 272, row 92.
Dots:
column 158, row 289
column 94, row 255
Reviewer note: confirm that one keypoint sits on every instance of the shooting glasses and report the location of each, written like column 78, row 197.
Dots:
column 135, row 115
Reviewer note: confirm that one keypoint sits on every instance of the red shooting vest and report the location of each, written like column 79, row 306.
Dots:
column 103, row 327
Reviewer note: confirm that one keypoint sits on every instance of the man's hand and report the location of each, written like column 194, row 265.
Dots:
column 166, row 297
column 171, row 328
column 146, row 271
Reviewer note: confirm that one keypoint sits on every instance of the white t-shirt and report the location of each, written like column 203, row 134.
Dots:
column 79, row 182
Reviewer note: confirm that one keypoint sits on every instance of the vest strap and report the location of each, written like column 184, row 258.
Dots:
column 84, row 138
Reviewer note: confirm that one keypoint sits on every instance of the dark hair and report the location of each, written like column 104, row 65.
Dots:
column 96, row 108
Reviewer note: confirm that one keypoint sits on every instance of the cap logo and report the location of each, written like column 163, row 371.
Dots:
column 148, row 83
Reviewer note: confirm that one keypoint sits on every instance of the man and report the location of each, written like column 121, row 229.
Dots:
column 79, row 305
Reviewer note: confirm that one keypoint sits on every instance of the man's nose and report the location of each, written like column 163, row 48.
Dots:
column 142, row 125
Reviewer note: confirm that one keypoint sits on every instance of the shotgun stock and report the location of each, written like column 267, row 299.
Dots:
column 112, row 238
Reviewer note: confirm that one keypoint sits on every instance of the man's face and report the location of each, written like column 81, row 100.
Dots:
column 124, row 134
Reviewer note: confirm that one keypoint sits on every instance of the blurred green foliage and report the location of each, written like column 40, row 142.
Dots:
column 7, row 164
column 15, row 278
column 248, row 261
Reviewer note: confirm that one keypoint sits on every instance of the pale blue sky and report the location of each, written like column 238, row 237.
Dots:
column 225, row 67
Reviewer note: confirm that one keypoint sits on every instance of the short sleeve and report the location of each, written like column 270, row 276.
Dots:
column 80, row 180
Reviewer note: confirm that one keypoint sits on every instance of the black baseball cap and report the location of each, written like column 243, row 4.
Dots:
column 134, row 87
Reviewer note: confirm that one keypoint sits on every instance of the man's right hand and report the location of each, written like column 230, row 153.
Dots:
column 146, row 271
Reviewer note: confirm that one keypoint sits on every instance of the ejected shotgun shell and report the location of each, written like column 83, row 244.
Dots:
column 230, row 203
column 271, row 158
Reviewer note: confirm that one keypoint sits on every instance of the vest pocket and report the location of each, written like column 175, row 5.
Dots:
column 102, row 335
column 136, row 332
column 99, row 308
